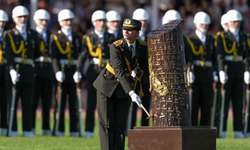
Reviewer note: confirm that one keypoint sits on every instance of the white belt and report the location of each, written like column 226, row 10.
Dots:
column 202, row 63
column 43, row 59
column 24, row 60
column 233, row 58
column 96, row 61
column 68, row 62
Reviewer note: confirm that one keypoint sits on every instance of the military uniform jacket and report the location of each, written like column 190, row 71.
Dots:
column 235, row 69
column 2, row 63
column 188, row 52
column 92, row 48
column 108, row 83
column 43, row 64
column 13, row 42
column 58, row 55
column 203, row 58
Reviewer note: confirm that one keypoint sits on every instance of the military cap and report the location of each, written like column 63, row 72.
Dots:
column 131, row 24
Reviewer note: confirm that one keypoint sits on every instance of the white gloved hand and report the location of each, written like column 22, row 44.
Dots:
column 135, row 98
column 215, row 76
column 14, row 76
column 223, row 77
column 60, row 76
column 247, row 77
column 77, row 77
column 192, row 77
column 133, row 73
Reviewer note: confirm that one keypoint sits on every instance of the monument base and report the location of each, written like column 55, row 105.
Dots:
column 172, row 138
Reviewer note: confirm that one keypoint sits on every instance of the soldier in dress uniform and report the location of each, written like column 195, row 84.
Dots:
column 96, row 48
column 113, row 22
column 225, row 26
column 65, row 46
column 43, row 71
column 3, row 95
column 203, row 72
column 232, row 51
column 115, row 85
column 143, row 16
column 21, row 49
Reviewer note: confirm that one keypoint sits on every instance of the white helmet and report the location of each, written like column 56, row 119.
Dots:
column 41, row 14
column 65, row 14
column 3, row 16
column 98, row 15
column 19, row 11
column 202, row 18
column 224, row 19
column 113, row 16
column 170, row 15
column 140, row 14
column 234, row 15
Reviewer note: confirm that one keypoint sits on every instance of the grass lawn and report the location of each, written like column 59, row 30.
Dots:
column 73, row 143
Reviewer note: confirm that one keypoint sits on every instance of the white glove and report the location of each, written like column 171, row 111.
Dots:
column 135, row 98
column 14, row 76
column 215, row 76
column 77, row 77
column 192, row 77
column 133, row 73
column 60, row 76
column 247, row 77
column 223, row 77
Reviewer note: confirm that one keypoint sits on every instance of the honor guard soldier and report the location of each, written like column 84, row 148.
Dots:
column 96, row 48
column 143, row 16
column 113, row 22
column 115, row 85
column 66, row 47
column 21, row 49
column 3, row 93
column 233, row 52
column 43, row 71
column 225, row 26
column 202, row 74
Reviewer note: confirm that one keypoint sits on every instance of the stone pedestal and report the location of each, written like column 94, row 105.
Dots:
column 172, row 138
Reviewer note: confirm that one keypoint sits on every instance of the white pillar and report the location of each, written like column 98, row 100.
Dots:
column 33, row 8
column 155, row 13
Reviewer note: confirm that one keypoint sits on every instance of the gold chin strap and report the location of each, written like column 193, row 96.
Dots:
column 97, row 53
column 199, row 52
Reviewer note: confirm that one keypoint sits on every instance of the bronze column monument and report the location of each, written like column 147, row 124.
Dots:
column 170, row 115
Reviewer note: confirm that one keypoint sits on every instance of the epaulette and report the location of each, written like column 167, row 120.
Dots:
column 143, row 43
column 117, row 43
column 218, row 33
